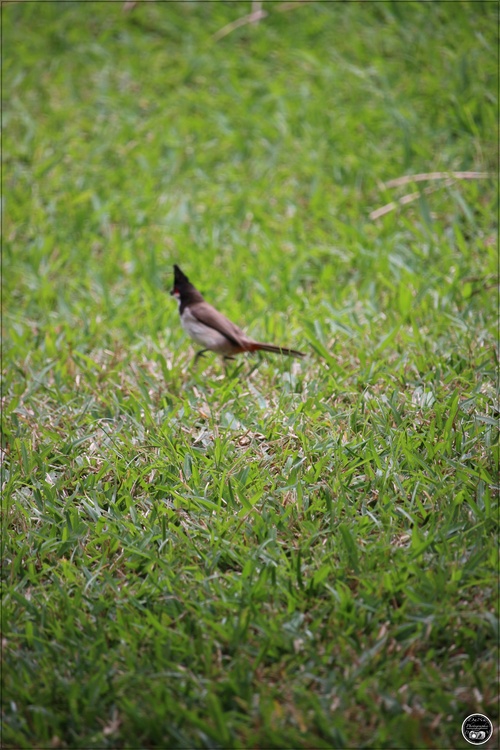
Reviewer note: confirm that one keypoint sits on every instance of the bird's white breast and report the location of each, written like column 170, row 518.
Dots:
column 207, row 337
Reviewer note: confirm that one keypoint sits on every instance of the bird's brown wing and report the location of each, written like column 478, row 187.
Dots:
column 212, row 318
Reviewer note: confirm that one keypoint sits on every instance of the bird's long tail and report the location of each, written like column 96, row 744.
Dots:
column 255, row 346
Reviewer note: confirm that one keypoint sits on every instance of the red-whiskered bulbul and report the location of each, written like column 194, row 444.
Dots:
column 210, row 328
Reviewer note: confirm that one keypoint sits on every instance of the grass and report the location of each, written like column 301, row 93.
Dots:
column 281, row 554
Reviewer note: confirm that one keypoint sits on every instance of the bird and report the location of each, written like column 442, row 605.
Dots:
column 210, row 328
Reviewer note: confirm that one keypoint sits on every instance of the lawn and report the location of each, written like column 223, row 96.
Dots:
column 265, row 553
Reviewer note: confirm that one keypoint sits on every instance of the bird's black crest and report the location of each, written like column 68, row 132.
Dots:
column 179, row 277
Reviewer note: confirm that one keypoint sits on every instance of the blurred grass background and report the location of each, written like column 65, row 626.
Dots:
column 283, row 555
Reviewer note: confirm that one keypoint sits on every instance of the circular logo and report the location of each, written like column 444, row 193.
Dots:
column 477, row 729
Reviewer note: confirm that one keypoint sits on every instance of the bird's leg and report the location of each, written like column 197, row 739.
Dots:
column 254, row 367
column 201, row 353
column 236, row 370
column 226, row 359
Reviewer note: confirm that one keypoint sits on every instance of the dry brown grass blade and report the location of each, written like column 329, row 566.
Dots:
column 425, row 176
column 447, row 179
column 253, row 17
column 406, row 199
